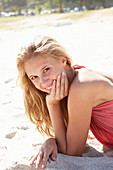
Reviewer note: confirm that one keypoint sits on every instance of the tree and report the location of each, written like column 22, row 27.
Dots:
column 4, row 4
column 19, row 4
column 103, row 3
column 59, row 3
column 37, row 4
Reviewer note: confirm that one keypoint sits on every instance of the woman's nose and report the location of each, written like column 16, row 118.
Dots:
column 43, row 81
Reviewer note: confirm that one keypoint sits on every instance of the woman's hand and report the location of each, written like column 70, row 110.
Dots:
column 59, row 89
column 48, row 148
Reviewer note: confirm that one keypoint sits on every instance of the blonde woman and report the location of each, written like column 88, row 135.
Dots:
column 62, row 101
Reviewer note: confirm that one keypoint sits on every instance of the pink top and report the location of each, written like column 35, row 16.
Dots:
column 102, row 121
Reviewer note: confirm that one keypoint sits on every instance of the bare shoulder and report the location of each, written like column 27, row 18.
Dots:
column 88, row 75
column 107, row 75
column 94, row 87
column 82, row 90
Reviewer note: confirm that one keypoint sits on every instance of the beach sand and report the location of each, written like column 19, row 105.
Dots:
column 90, row 43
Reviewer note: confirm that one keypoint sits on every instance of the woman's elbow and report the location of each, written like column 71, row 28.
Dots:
column 75, row 153
column 71, row 152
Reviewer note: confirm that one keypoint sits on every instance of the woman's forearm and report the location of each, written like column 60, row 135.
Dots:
column 59, row 90
column 58, row 125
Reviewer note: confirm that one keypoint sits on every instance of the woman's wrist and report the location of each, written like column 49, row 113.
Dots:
column 53, row 104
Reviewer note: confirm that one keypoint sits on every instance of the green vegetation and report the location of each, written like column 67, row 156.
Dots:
column 9, row 23
column 76, row 15
column 23, row 22
column 40, row 5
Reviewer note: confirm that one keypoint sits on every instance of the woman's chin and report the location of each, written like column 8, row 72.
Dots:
column 48, row 92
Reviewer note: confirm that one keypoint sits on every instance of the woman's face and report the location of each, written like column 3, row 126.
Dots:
column 42, row 70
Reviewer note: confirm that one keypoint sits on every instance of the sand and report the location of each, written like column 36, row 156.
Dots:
column 90, row 42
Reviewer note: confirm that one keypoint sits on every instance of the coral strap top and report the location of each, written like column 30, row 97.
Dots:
column 102, row 121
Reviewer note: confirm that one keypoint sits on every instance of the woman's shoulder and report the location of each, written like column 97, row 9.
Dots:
column 86, row 76
column 83, row 85
column 91, row 84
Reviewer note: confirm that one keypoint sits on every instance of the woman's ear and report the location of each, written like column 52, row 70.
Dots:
column 64, row 61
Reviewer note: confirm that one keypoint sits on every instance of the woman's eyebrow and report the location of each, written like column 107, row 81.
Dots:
column 44, row 67
column 41, row 70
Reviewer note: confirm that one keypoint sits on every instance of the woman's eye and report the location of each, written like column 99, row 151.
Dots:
column 45, row 70
column 34, row 77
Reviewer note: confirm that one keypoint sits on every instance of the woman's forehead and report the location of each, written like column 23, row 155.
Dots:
column 38, row 62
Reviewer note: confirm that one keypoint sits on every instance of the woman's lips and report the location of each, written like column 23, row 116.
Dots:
column 48, row 88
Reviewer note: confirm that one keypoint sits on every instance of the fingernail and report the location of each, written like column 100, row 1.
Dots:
column 30, row 163
column 43, row 166
column 63, row 73
column 58, row 76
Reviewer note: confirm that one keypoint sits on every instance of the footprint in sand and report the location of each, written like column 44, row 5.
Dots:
column 22, row 167
column 7, row 81
column 10, row 135
column 22, row 127
column 8, row 102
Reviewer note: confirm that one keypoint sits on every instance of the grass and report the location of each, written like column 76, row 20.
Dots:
column 76, row 16
column 21, row 22
column 8, row 23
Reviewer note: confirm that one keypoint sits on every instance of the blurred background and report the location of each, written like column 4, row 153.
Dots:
column 32, row 7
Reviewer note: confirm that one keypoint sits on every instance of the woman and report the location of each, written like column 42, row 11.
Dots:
column 62, row 102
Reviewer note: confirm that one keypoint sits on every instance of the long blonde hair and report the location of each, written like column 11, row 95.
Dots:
column 34, row 99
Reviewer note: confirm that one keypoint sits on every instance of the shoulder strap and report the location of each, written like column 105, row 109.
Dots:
column 76, row 66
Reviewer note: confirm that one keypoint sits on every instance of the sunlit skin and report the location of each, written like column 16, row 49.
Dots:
column 42, row 71
column 85, row 90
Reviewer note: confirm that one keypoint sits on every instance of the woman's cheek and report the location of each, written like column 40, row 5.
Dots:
column 36, row 85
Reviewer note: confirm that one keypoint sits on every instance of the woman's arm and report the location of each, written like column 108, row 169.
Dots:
column 58, row 126
column 80, row 101
column 59, row 91
column 72, row 140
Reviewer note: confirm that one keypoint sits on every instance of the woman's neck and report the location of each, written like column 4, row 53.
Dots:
column 70, row 74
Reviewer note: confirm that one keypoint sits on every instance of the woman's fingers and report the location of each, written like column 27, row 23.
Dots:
column 50, row 98
column 53, row 90
column 54, row 154
column 32, row 159
column 62, row 89
column 59, row 89
column 45, row 159
column 58, row 86
column 48, row 148
column 39, row 159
